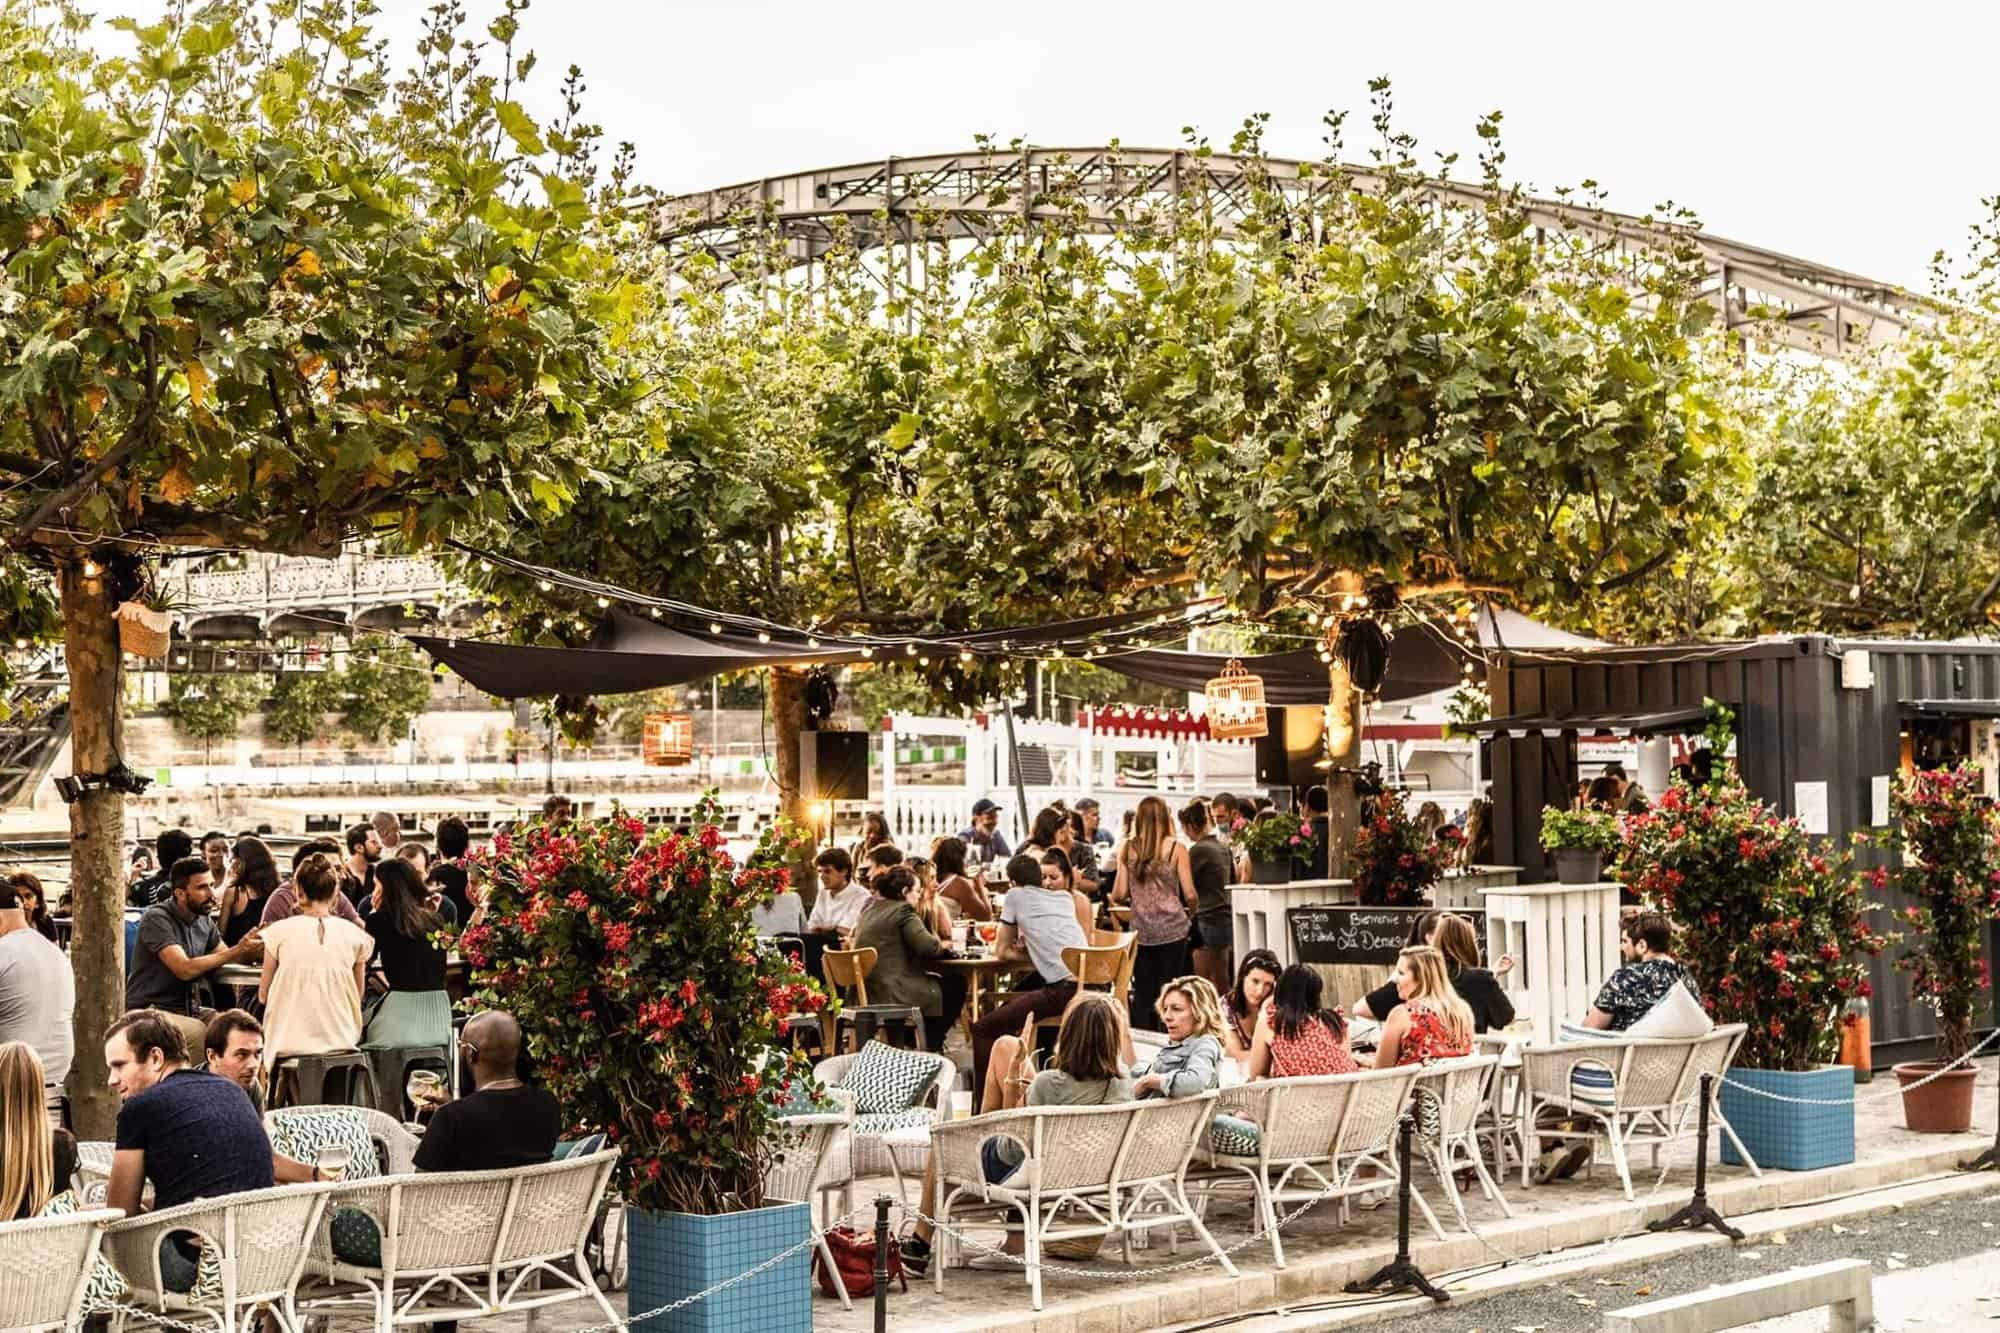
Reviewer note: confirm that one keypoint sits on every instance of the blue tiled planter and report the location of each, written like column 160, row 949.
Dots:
column 1786, row 1135
column 678, row 1254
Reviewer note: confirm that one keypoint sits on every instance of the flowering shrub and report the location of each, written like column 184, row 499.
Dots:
column 1774, row 931
column 632, row 963
column 1395, row 860
column 1279, row 836
column 1947, row 835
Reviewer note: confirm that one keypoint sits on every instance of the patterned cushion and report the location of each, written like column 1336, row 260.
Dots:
column 356, row 1238
column 885, row 1078
column 878, row 1123
column 582, row 1147
column 302, row 1133
column 1589, row 1085
column 1234, row 1136
column 107, row 1286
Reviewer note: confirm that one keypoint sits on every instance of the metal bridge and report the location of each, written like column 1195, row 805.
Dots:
column 279, row 597
column 911, row 201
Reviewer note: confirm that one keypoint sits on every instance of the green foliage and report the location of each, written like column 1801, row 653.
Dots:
column 1279, row 836
column 209, row 707
column 383, row 689
column 1580, row 830
column 299, row 704
column 632, row 963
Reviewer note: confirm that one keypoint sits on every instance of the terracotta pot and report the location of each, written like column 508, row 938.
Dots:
column 1942, row 1106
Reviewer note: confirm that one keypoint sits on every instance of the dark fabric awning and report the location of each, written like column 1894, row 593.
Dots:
column 1972, row 708
column 1669, row 722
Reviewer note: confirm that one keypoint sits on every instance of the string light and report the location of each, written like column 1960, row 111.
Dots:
column 714, row 627
column 909, row 650
column 811, row 642
column 603, row 603
column 923, row 661
column 90, row 569
column 868, row 652
column 546, row 585
column 655, row 613
column 763, row 636
column 964, row 655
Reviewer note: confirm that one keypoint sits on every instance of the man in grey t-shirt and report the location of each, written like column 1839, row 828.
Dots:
column 179, row 945
column 1041, row 917
column 37, row 991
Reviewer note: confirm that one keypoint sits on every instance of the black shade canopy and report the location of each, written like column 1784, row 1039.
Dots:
column 1972, row 708
column 1667, row 722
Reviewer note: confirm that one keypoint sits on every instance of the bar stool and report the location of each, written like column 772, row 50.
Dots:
column 848, row 969
column 309, row 1078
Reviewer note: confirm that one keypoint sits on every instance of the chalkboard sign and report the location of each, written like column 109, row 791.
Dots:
column 1334, row 935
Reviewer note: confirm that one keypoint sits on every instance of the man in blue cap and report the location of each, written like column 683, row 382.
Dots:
column 984, row 843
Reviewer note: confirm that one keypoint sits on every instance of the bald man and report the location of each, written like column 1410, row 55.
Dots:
column 503, row 1122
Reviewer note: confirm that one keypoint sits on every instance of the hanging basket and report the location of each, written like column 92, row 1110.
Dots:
column 142, row 631
column 1236, row 705
column 667, row 739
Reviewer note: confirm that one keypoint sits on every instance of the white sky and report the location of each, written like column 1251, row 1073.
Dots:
column 1859, row 136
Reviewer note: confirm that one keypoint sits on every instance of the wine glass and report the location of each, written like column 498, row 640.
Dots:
column 332, row 1163
column 425, row 1088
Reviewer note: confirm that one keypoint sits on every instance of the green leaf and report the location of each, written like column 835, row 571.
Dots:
column 521, row 128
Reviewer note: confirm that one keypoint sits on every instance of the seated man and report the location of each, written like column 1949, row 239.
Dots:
column 837, row 908
column 179, row 947
column 1648, row 974
column 234, row 1047
column 1040, row 918
column 191, row 1133
column 37, row 991
column 502, row 1122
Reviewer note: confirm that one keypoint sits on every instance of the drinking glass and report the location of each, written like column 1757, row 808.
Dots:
column 331, row 1163
column 425, row 1088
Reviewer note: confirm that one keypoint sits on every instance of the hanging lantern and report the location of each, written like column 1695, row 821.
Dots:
column 1236, row 705
column 667, row 739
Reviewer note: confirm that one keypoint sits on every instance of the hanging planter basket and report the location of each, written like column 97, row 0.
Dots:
column 142, row 631
column 1236, row 705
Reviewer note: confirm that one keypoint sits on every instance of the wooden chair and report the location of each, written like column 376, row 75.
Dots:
column 848, row 969
column 1105, row 964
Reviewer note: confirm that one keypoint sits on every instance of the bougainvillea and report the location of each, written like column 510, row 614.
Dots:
column 647, row 1006
column 1774, row 929
column 1396, row 861
column 1946, row 832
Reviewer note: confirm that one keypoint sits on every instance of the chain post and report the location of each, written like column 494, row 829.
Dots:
column 882, row 1202
column 1401, row 1273
column 1698, row 1213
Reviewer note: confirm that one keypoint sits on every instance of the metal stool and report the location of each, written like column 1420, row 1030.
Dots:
column 309, row 1078
column 869, row 1019
column 390, row 1068
column 808, row 1030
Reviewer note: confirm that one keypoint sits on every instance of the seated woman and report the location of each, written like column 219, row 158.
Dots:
column 1093, row 1047
column 1454, row 937
column 1191, row 1061
column 1256, row 979
column 964, row 898
column 903, row 944
column 36, row 1162
column 404, row 925
column 34, row 902
column 253, row 878
column 315, row 967
column 1295, row 1037
column 1432, row 1022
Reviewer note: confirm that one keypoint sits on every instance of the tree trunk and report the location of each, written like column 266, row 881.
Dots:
column 96, row 826
column 1343, row 746
column 788, row 723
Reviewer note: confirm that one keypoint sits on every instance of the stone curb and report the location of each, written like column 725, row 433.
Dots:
column 1258, row 1290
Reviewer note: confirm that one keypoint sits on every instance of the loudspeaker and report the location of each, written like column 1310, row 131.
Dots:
column 833, row 765
column 1288, row 755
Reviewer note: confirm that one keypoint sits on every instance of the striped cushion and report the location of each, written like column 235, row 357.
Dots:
column 1233, row 1136
column 884, row 1078
column 1588, row 1084
column 876, row 1124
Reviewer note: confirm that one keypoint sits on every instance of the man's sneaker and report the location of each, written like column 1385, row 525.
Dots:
column 917, row 1257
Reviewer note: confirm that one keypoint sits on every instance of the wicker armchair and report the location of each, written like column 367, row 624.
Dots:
column 1462, row 1089
column 801, row 1173
column 395, row 1145
column 1115, row 1170
column 876, row 1144
column 1656, row 1091
column 257, row 1241
column 49, row 1262
column 467, row 1244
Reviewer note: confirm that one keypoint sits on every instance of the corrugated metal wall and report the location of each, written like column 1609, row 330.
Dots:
column 1794, row 724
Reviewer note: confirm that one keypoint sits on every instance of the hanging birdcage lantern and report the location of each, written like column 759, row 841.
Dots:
column 1236, row 705
column 667, row 739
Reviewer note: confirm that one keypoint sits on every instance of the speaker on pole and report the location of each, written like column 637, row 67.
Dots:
column 833, row 765
column 1289, row 753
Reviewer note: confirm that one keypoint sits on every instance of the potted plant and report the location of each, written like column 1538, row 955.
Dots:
column 1580, row 840
column 1395, row 862
column 1940, row 822
column 146, row 622
column 649, row 1010
column 1775, row 935
column 1274, row 840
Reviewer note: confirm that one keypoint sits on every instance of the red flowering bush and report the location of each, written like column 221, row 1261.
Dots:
column 632, row 963
column 1395, row 861
column 1946, row 832
column 1278, row 835
column 1774, row 930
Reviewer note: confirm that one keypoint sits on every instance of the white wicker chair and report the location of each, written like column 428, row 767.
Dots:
column 390, row 1134
column 1656, row 1092
column 1499, row 1123
column 1314, row 1136
column 483, row 1242
column 1118, row 1170
column 93, row 1168
column 1462, row 1088
column 49, row 1262
column 259, row 1240
column 874, row 1152
column 800, row 1174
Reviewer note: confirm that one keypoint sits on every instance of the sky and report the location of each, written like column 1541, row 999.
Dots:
column 1861, row 137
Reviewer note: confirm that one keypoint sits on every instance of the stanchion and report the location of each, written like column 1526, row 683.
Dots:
column 882, row 1202
column 1697, row 1213
column 1400, row 1273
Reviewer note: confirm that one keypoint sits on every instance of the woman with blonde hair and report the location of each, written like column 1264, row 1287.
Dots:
column 1156, row 877
column 1191, row 1061
column 1432, row 1022
column 36, row 1162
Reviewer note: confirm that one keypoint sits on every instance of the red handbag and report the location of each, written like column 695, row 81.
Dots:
column 854, row 1255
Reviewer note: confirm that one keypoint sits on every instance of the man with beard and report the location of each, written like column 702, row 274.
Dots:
column 364, row 849
column 179, row 946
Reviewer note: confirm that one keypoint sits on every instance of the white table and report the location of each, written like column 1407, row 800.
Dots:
column 1564, row 939
column 1257, row 912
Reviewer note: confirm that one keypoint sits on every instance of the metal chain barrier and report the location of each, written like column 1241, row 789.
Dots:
column 1925, row 1081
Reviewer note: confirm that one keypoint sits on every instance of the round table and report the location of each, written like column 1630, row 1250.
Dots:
column 984, row 970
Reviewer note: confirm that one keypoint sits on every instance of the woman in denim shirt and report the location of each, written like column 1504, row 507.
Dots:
column 1191, row 1013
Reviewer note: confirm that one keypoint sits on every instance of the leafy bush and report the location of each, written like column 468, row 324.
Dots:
column 1279, row 835
column 646, row 1003
column 1774, row 931
column 1395, row 861
column 1582, row 830
column 1947, row 834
